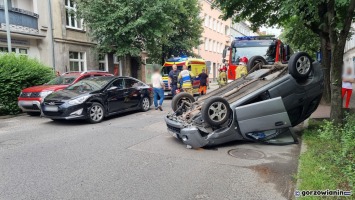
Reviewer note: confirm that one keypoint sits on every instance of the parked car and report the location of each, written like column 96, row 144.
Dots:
column 30, row 98
column 258, row 107
column 96, row 98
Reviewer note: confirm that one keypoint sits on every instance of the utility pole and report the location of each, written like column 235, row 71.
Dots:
column 51, row 33
column 6, row 7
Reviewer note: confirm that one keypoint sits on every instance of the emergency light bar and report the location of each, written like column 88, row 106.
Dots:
column 264, row 37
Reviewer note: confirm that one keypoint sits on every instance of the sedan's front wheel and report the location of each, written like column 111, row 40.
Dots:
column 96, row 113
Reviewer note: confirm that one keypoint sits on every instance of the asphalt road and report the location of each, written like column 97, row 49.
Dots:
column 131, row 156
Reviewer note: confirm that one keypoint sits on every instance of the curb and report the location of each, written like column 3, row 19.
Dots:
column 11, row 116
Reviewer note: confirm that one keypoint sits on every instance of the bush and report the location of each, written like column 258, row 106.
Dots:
column 329, row 162
column 16, row 73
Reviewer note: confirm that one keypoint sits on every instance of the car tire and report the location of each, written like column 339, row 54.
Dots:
column 96, row 113
column 216, row 111
column 300, row 65
column 179, row 98
column 34, row 113
column 145, row 104
column 255, row 60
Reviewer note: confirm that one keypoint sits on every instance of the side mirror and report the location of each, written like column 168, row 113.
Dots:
column 112, row 88
column 224, row 53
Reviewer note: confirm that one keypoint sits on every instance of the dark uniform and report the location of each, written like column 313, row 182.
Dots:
column 174, row 81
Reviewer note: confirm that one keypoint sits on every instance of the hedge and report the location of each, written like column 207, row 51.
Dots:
column 16, row 73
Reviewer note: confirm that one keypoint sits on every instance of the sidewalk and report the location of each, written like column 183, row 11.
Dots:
column 323, row 111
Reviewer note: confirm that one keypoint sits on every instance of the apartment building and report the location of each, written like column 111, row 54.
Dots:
column 349, row 52
column 68, row 47
column 217, row 35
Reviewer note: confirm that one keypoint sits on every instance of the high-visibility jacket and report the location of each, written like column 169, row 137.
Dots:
column 241, row 71
column 222, row 78
column 187, row 77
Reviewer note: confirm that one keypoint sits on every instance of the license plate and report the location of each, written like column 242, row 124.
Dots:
column 26, row 103
column 51, row 108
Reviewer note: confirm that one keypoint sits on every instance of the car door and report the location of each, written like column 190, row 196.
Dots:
column 132, row 93
column 116, row 96
column 261, row 116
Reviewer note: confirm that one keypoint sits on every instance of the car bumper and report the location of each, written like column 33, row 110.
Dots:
column 188, row 135
column 29, row 105
column 64, row 112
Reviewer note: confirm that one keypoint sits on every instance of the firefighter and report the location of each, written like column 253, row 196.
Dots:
column 222, row 77
column 187, row 79
column 242, row 69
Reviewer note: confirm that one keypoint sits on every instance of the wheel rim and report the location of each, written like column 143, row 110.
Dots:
column 145, row 103
column 96, row 113
column 303, row 65
column 217, row 111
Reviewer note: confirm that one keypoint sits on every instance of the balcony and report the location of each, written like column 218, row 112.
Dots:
column 20, row 20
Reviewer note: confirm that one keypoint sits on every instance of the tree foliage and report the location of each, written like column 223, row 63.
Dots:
column 300, row 39
column 329, row 19
column 127, row 27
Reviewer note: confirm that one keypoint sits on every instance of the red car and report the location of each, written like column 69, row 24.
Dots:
column 30, row 98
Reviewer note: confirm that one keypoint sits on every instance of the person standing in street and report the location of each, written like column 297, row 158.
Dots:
column 222, row 78
column 187, row 79
column 203, row 82
column 347, row 86
column 158, row 89
column 173, row 80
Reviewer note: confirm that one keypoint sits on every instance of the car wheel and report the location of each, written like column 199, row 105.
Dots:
column 216, row 111
column 253, row 61
column 300, row 65
column 180, row 98
column 34, row 113
column 145, row 104
column 96, row 113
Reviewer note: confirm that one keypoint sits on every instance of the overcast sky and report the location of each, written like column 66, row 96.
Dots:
column 271, row 31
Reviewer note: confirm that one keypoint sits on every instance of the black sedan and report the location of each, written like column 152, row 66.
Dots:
column 96, row 98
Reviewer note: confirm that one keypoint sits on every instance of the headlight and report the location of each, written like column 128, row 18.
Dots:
column 45, row 93
column 78, row 101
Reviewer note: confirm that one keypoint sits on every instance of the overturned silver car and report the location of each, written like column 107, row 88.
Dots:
column 258, row 107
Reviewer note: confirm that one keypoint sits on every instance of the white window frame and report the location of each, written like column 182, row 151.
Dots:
column 206, row 21
column 77, row 22
column 105, row 62
column 80, row 60
column 211, row 22
column 210, row 45
column 17, row 50
column 206, row 44
column 214, row 24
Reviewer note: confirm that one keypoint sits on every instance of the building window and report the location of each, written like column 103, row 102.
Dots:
column 206, row 21
column 218, row 26
column 210, row 47
column 71, row 20
column 226, row 30
column 211, row 22
column 77, row 61
column 22, row 51
column 214, row 25
column 206, row 44
column 103, row 65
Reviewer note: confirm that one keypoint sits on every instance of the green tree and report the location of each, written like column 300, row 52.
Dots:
column 329, row 19
column 306, row 40
column 127, row 27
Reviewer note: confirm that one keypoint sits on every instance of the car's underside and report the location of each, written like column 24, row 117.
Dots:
column 259, row 106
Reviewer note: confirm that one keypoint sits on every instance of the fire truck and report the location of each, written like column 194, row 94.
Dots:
column 266, row 49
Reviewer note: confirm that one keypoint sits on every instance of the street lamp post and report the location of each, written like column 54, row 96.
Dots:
column 6, row 7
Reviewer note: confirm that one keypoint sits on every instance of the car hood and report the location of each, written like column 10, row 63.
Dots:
column 41, row 88
column 63, row 95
